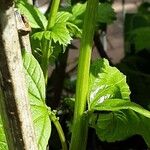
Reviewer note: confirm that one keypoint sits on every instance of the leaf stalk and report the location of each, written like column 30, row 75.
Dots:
column 46, row 45
column 59, row 129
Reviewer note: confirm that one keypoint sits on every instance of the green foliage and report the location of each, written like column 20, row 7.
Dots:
column 113, row 115
column 65, row 18
column 61, row 34
column 61, row 31
column 36, row 91
column 109, row 92
column 106, row 13
column 119, row 125
column 106, row 83
column 136, row 62
column 34, row 77
column 3, row 143
column 68, row 24
column 141, row 38
column 137, row 29
column 78, row 11
column 34, row 16
column 120, row 104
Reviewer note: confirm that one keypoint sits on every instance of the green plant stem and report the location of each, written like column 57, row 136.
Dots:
column 53, row 13
column 46, row 46
column 59, row 129
column 80, row 122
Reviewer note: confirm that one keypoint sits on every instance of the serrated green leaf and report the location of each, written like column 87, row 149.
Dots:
column 63, row 16
column 106, row 82
column 106, row 13
column 74, row 30
column 34, row 16
column 78, row 11
column 38, row 35
column 36, row 90
column 47, row 35
column 60, row 34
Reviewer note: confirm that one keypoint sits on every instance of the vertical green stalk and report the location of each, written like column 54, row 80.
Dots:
column 44, row 65
column 80, row 122
column 46, row 46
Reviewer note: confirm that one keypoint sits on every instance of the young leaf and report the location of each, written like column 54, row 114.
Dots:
column 106, row 82
column 63, row 16
column 74, row 30
column 38, row 35
column 78, row 11
column 106, row 13
column 60, row 33
column 36, row 90
column 34, row 16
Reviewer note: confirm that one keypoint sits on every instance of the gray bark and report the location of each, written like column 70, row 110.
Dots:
column 24, row 29
column 14, row 104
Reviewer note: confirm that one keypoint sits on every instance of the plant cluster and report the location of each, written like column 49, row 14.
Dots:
column 102, row 100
